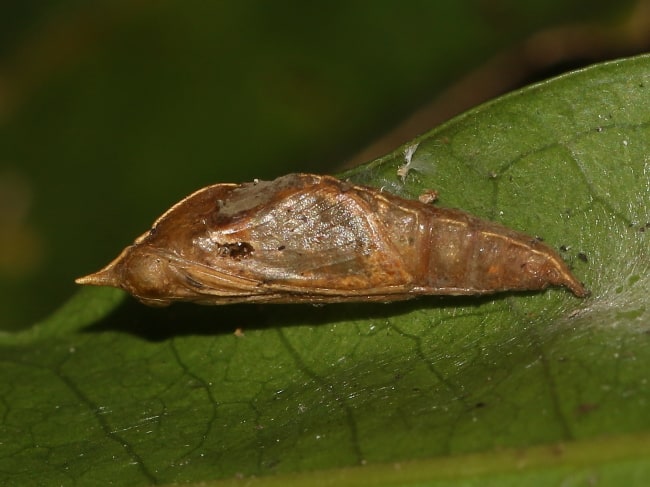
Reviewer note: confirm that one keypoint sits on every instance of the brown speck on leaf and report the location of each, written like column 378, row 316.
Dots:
column 586, row 407
column 428, row 196
column 558, row 449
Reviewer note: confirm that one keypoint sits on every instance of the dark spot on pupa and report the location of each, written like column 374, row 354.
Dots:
column 281, row 247
column 193, row 282
column 583, row 257
column 236, row 250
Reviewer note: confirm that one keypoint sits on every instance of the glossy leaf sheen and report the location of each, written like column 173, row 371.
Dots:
column 103, row 390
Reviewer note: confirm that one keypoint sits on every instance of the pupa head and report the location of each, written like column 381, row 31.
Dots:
column 140, row 271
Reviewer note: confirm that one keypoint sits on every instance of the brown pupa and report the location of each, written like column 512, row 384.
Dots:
column 317, row 239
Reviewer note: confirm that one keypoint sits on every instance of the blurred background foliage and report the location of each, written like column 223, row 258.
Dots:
column 111, row 111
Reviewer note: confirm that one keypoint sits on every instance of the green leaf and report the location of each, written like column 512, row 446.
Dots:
column 509, row 389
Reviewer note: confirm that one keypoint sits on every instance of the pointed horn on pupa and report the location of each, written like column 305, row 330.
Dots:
column 104, row 277
column 110, row 275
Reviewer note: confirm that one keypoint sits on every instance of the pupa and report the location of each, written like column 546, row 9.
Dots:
column 306, row 238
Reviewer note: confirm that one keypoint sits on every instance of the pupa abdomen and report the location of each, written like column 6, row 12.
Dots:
column 310, row 238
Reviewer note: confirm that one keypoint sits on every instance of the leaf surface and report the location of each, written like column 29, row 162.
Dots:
column 107, row 388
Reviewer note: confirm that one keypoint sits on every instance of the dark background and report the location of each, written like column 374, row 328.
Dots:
column 111, row 111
